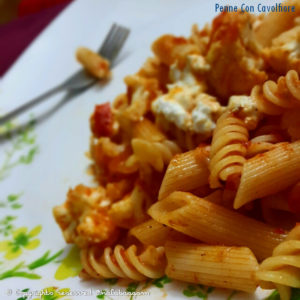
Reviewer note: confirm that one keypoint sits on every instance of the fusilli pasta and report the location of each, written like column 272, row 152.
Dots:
column 121, row 263
column 228, row 149
column 274, row 98
column 282, row 269
column 154, row 153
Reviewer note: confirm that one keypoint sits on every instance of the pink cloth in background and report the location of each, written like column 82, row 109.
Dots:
column 17, row 35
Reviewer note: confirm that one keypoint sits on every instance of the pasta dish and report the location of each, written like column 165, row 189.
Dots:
column 197, row 163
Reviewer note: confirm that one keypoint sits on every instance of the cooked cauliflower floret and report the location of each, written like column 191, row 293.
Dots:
column 171, row 49
column 83, row 218
column 131, row 210
column 197, row 63
column 284, row 53
column 246, row 108
column 233, row 55
column 141, row 91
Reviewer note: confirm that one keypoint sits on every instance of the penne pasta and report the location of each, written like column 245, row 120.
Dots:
column 215, row 197
column 225, row 267
column 156, row 234
column 151, row 233
column 214, row 224
column 186, row 171
column 268, row 173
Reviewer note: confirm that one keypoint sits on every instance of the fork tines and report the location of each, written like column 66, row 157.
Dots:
column 114, row 41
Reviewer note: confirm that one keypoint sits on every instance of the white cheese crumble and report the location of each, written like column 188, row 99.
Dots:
column 172, row 111
column 188, row 108
column 246, row 108
column 203, row 115
column 186, row 105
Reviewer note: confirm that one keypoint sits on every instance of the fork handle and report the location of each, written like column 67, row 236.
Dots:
column 29, row 104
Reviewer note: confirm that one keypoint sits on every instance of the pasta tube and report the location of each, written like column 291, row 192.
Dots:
column 268, row 173
column 214, row 224
column 186, row 172
column 151, row 233
column 225, row 267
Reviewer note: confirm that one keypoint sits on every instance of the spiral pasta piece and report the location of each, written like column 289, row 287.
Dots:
column 228, row 149
column 265, row 139
column 274, row 98
column 282, row 269
column 121, row 263
column 156, row 154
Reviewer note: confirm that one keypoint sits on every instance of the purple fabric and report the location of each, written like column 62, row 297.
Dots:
column 17, row 35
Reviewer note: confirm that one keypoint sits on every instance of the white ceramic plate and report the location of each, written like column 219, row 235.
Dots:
column 42, row 162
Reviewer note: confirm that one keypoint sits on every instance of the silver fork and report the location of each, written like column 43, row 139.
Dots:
column 110, row 48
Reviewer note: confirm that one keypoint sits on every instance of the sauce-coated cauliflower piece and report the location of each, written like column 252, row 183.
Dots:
column 233, row 55
column 284, row 53
column 83, row 218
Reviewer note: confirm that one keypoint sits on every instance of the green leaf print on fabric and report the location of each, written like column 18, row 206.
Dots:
column 274, row 296
column 21, row 150
column 25, row 271
column 103, row 295
column 24, row 297
column 111, row 281
column 11, row 201
column 45, row 259
column 21, row 239
column 54, row 293
column 6, row 129
column 295, row 295
column 17, row 272
column 132, row 287
column 70, row 265
column 160, row 282
column 198, row 291
column 232, row 294
column 6, row 225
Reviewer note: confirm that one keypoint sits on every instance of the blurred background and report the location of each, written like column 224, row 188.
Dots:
column 12, row 9
column 8, row 10
column 20, row 23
